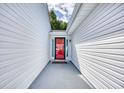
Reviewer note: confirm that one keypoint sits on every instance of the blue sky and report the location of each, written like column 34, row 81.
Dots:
column 62, row 10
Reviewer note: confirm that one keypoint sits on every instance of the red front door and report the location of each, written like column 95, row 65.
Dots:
column 60, row 48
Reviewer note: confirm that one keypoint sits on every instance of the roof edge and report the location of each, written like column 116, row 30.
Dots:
column 74, row 14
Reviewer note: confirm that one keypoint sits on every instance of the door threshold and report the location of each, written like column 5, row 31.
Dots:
column 59, row 61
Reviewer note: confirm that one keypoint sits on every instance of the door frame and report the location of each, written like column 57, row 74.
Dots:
column 64, row 48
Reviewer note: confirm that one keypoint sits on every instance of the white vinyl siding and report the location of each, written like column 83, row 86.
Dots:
column 98, row 46
column 24, row 43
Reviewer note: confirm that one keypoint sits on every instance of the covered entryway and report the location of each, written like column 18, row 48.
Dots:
column 60, row 46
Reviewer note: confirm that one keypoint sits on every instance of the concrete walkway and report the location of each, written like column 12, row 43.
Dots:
column 59, row 76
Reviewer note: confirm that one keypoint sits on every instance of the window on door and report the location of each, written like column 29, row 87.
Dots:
column 60, row 48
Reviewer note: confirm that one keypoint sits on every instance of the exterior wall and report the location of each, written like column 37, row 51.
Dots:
column 98, row 46
column 59, row 34
column 24, row 43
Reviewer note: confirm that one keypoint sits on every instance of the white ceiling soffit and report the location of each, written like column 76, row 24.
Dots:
column 81, row 11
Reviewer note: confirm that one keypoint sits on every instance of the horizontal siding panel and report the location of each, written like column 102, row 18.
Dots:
column 98, row 46
column 24, row 43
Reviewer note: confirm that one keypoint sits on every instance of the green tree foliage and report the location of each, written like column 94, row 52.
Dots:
column 63, row 25
column 56, row 24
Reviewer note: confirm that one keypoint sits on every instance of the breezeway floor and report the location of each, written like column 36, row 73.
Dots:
column 59, row 76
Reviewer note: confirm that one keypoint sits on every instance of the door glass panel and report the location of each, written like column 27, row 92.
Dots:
column 60, row 51
column 53, row 47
